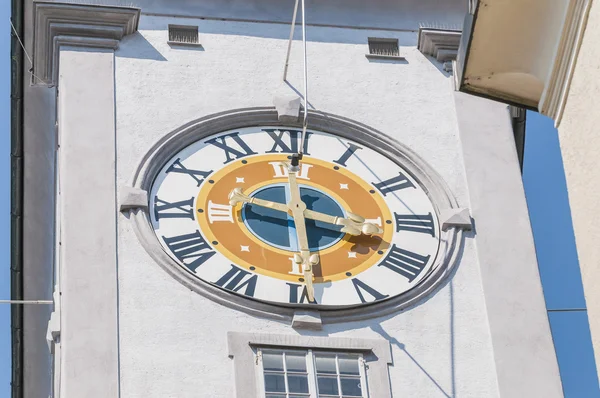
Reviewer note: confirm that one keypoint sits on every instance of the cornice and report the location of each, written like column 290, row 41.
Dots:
column 557, row 87
column 93, row 26
column 441, row 44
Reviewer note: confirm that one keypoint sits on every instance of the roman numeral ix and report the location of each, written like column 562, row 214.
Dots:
column 164, row 209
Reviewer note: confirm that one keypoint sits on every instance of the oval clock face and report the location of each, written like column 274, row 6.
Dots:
column 221, row 210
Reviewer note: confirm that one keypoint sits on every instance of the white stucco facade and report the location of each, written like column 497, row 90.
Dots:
column 482, row 333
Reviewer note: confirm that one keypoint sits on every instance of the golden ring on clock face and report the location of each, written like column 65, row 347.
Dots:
column 249, row 249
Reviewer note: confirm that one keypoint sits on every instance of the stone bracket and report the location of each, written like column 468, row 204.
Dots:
column 288, row 108
column 439, row 43
column 459, row 218
column 132, row 198
column 307, row 320
column 76, row 21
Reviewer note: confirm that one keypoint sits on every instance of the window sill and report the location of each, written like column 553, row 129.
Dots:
column 393, row 57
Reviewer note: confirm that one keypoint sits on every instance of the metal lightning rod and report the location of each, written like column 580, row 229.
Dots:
column 296, row 159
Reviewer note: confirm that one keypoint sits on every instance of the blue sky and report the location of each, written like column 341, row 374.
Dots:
column 547, row 199
column 5, row 201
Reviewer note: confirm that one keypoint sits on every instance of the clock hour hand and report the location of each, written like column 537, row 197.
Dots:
column 353, row 225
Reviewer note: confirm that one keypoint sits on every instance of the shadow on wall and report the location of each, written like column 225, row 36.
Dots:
column 136, row 46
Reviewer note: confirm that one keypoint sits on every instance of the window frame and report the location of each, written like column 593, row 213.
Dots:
column 248, row 369
column 310, row 357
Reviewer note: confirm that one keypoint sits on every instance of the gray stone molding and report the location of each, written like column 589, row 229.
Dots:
column 440, row 195
column 79, row 25
column 288, row 107
column 308, row 320
column 132, row 198
column 460, row 218
column 241, row 348
column 440, row 44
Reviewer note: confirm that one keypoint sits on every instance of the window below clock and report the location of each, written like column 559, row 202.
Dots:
column 311, row 374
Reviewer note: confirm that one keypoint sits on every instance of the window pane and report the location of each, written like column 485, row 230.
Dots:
column 295, row 362
column 327, row 385
column 298, row 383
column 325, row 364
column 272, row 361
column 348, row 365
column 274, row 383
column 275, row 396
column 351, row 386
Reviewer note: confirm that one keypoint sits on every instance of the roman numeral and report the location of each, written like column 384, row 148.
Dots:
column 188, row 246
column 394, row 184
column 361, row 287
column 183, row 209
column 303, row 296
column 295, row 267
column 235, row 280
column 294, row 136
column 221, row 142
column 217, row 212
column 404, row 262
column 282, row 172
column 346, row 155
column 177, row 167
column 415, row 223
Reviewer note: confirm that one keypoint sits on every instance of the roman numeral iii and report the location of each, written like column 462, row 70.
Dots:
column 415, row 223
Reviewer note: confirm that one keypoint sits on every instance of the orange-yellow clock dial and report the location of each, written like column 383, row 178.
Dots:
column 251, row 248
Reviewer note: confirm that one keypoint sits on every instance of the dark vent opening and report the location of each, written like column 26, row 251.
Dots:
column 385, row 47
column 183, row 34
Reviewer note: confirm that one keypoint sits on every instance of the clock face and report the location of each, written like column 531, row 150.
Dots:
column 248, row 248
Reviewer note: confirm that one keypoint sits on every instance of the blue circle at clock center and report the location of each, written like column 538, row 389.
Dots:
column 277, row 228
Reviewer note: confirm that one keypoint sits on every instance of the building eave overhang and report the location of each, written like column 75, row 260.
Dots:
column 522, row 53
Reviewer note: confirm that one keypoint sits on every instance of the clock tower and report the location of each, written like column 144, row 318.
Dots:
column 210, row 228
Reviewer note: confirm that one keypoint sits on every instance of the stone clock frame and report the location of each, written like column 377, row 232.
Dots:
column 134, row 199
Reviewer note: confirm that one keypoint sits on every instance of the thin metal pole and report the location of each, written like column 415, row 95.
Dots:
column 287, row 57
column 305, row 124
column 26, row 302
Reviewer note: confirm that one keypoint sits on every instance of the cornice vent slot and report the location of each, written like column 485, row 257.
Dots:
column 385, row 47
column 186, row 35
